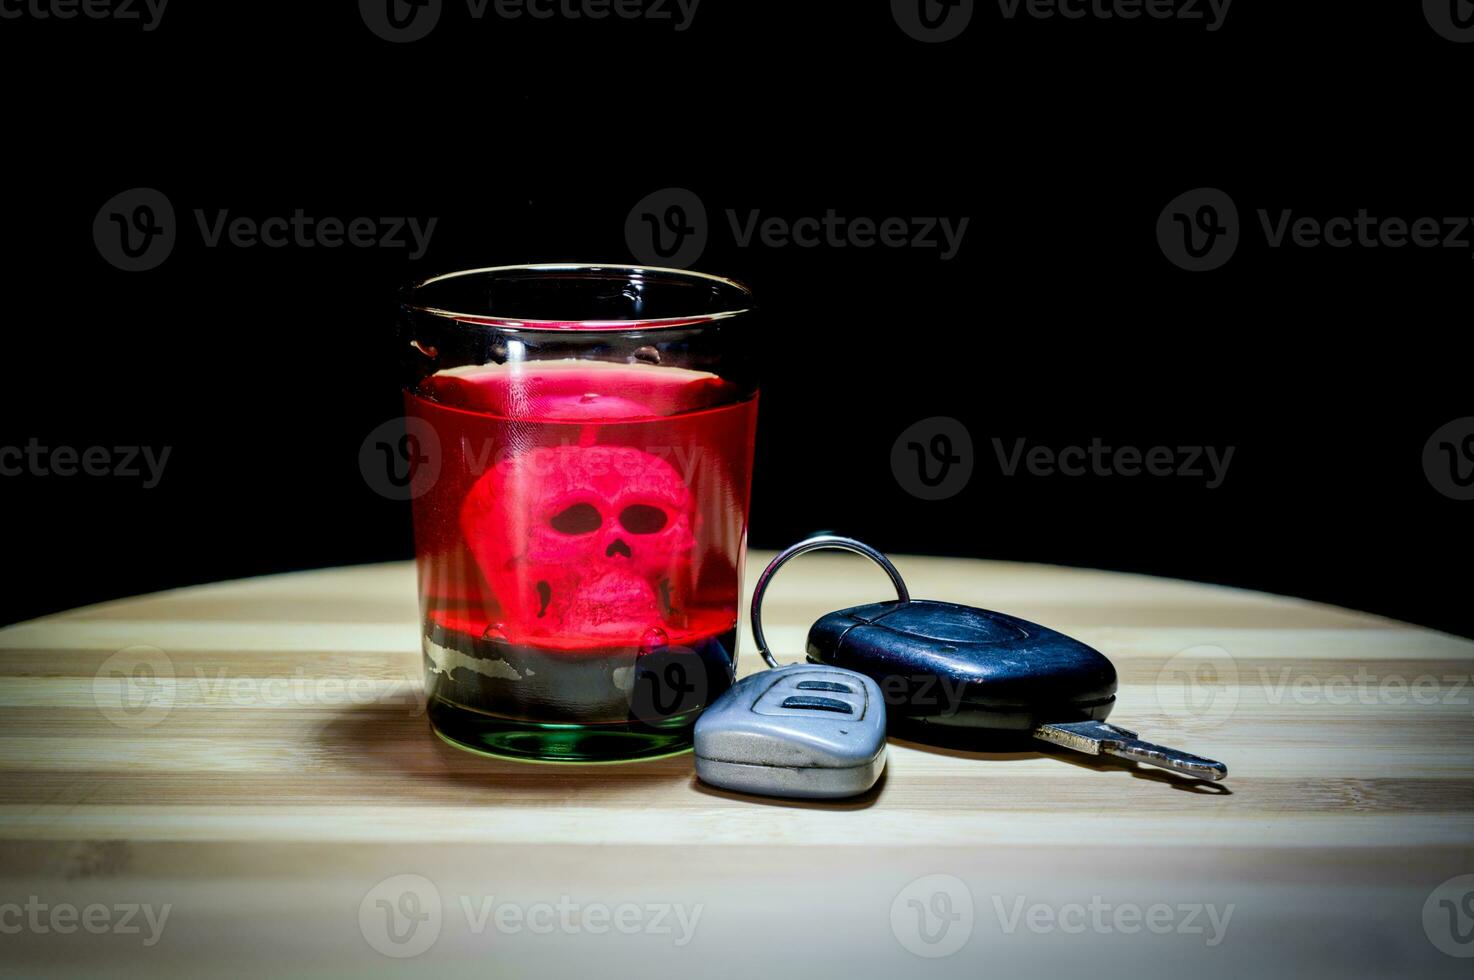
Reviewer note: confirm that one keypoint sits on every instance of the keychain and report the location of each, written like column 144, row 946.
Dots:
column 927, row 670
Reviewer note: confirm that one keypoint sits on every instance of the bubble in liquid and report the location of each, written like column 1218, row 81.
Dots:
column 654, row 639
column 495, row 633
column 645, row 355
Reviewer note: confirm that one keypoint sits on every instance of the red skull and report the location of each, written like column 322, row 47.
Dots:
column 582, row 541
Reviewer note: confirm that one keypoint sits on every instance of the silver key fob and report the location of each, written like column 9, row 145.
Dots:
column 805, row 730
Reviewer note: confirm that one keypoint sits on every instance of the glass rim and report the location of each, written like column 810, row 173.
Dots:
column 580, row 269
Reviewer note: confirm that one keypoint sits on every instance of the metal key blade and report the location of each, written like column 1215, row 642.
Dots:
column 1097, row 737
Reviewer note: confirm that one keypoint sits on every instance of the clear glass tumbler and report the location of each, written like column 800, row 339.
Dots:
column 587, row 434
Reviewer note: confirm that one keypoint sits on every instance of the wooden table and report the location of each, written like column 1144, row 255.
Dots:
column 254, row 756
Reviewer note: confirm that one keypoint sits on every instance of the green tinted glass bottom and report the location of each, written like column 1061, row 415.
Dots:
column 528, row 741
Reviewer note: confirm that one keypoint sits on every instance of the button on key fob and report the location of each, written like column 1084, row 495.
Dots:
column 805, row 730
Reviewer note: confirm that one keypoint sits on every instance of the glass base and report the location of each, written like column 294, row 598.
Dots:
column 528, row 741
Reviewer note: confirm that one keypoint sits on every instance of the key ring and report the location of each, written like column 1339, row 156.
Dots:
column 822, row 542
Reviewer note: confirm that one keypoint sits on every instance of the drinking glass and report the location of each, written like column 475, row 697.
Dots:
column 584, row 441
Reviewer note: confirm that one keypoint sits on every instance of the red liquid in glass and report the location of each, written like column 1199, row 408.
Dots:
column 587, row 518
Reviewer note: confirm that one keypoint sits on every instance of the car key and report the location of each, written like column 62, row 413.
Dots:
column 803, row 731
column 944, row 668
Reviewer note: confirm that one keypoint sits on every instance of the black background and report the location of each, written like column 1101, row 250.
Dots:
column 1059, row 321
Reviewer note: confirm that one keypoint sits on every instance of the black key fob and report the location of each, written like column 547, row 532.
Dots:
column 944, row 664
column 957, row 675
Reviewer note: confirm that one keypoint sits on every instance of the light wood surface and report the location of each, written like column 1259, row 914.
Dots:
column 255, row 755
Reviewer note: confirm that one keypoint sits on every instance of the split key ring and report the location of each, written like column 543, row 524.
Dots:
column 822, row 542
